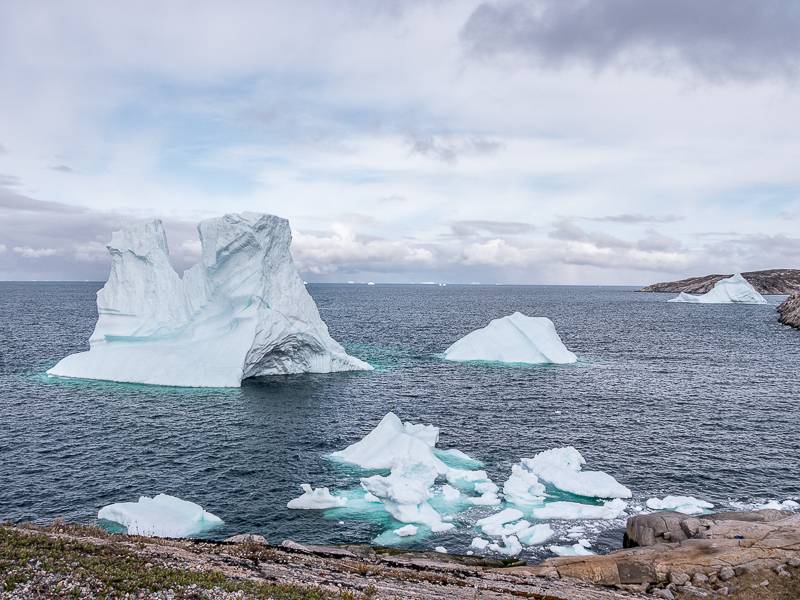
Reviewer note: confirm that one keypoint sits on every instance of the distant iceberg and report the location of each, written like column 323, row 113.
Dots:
column 160, row 516
column 733, row 290
column 242, row 311
column 513, row 339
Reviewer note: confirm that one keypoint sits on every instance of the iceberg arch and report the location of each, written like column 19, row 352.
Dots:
column 242, row 311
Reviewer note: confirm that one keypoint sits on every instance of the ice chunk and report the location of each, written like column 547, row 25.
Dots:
column 160, row 516
column 513, row 339
column 393, row 441
column 535, row 534
column 492, row 525
column 510, row 547
column 315, row 499
column 611, row 509
column 440, row 549
column 523, row 487
column 487, row 499
column 371, row 498
column 405, row 492
column 577, row 549
column 686, row 505
column 562, row 468
column 242, row 311
column 449, row 493
column 733, row 290
column 775, row 505
column 479, row 543
column 406, row 531
column 440, row 527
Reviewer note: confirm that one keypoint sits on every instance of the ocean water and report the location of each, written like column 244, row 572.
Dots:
column 668, row 398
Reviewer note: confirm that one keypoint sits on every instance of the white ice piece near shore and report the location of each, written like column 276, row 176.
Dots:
column 580, row 548
column 242, row 311
column 733, row 290
column 687, row 505
column 563, row 469
column 613, row 509
column 160, row 516
column 513, row 339
column 315, row 499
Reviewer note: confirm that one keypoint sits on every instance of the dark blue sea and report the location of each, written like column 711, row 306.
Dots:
column 700, row 400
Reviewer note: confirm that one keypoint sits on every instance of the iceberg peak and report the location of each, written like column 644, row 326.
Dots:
column 515, row 338
column 733, row 290
column 242, row 311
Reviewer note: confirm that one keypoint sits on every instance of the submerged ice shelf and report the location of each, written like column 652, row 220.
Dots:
column 516, row 338
column 733, row 290
column 425, row 491
column 242, row 311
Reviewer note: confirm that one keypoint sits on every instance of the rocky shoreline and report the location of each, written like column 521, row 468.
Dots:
column 737, row 555
column 772, row 281
column 789, row 311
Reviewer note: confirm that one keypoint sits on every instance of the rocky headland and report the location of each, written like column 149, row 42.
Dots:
column 789, row 311
column 773, row 281
column 737, row 555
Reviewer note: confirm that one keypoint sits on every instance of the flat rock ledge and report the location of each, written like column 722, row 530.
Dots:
column 789, row 311
column 743, row 555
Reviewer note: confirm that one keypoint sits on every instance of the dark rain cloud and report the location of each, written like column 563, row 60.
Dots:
column 716, row 39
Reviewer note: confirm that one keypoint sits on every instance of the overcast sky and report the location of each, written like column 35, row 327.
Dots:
column 552, row 141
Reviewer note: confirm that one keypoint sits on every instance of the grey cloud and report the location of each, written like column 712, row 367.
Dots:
column 715, row 39
column 636, row 218
column 477, row 228
column 62, row 168
column 450, row 148
column 655, row 241
column 755, row 251
column 568, row 231
column 9, row 180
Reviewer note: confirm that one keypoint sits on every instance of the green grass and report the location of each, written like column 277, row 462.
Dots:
column 113, row 569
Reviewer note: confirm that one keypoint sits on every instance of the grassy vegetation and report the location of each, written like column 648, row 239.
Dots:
column 110, row 570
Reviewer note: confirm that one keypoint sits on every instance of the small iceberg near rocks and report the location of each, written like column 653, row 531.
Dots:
column 315, row 499
column 242, row 311
column 513, row 339
column 562, row 468
column 160, row 516
column 687, row 505
column 581, row 548
column 733, row 290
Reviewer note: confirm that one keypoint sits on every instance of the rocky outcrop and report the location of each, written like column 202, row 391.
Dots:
column 738, row 554
column 790, row 311
column 773, row 281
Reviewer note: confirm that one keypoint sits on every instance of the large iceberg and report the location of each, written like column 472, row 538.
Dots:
column 563, row 469
column 242, row 311
column 513, row 339
column 733, row 290
column 160, row 516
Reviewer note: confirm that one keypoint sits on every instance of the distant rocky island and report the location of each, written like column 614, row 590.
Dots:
column 772, row 281
column 790, row 311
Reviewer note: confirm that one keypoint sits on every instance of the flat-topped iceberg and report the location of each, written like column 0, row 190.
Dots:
column 242, row 311
column 513, row 339
column 733, row 290
column 315, row 499
column 160, row 516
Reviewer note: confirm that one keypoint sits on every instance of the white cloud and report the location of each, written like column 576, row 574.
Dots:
column 28, row 252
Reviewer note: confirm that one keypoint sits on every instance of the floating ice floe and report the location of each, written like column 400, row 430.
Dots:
column 562, row 468
column 392, row 441
column 315, row 499
column 612, row 509
column 733, row 290
column 775, row 505
column 423, row 488
column 513, row 339
column 242, row 311
column 440, row 549
column 510, row 547
column 160, row 516
column 405, row 531
column 687, row 505
column 581, row 548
